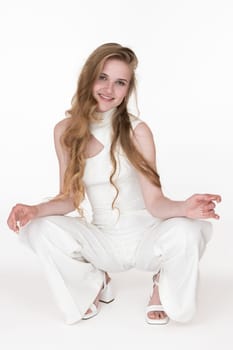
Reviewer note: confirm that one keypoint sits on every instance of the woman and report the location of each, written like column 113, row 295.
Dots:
column 108, row 155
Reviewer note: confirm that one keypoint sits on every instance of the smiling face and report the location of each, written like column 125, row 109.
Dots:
column 112, row 84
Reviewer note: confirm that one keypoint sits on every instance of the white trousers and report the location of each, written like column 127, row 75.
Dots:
column 75, row 255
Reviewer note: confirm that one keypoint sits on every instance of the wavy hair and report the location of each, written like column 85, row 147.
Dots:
column 83, row 108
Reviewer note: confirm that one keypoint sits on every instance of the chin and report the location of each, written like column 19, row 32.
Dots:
column 101, row 108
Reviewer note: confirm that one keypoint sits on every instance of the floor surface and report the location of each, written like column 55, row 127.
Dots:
column 29, row 318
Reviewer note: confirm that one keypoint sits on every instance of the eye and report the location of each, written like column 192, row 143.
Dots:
column 121, row 82
column 102, row 77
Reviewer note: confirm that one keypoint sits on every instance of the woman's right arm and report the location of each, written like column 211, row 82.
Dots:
column 21, row 214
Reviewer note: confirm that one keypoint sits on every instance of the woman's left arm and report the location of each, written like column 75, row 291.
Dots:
column 198, row 206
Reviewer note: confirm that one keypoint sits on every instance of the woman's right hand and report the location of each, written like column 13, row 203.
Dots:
column 20, row 215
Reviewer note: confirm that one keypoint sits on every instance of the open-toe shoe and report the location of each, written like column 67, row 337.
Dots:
column 105, row 296
column 93, row 311
column 155, row 308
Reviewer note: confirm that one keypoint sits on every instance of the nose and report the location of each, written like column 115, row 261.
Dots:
column 109, row 87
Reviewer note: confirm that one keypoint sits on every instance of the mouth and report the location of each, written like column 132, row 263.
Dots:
column 106, row 98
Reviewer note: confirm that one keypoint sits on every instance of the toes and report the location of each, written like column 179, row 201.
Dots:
column 156, row 315
column 151, row 315
column 88, row 311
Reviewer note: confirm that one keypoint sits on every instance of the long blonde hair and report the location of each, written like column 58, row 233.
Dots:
column 83, row 107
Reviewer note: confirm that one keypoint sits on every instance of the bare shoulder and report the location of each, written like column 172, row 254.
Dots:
column 142, row 130
column 61, row 151
column 61, row 126
column 144, row 141
column 59, row 130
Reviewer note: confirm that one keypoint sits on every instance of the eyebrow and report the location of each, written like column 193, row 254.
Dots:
column 121, row 79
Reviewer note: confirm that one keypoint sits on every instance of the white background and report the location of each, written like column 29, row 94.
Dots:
column 185, row 89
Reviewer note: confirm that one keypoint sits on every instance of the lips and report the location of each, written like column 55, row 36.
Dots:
column 106, row 98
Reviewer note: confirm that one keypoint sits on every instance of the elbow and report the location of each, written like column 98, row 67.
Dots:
column 151, row 208
column 155, row 209
column 156, row 213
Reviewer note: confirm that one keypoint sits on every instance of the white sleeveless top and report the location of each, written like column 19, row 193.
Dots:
column 100, row 191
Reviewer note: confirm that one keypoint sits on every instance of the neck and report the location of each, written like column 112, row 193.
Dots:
column 104, row 117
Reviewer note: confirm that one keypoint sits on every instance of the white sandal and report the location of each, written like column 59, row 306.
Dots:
column 106, row 296
column 94, row 310
column 155, row 308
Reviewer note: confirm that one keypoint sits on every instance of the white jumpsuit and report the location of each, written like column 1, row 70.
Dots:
column 75, row 253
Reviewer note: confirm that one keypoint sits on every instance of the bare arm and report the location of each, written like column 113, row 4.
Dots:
column 197, row 206
column 64, row 205
column 21, row 214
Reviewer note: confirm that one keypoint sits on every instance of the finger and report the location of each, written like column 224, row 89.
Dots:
column 209, row 206
column 210, row 214
column 23, row 222
column 13, row 217
column 11, row 222
column 17, row 227
column 14, row 227
column 215, row 216
column 208, row 197
column 212, row 197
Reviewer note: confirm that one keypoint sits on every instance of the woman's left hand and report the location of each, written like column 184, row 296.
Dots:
column 202, row 206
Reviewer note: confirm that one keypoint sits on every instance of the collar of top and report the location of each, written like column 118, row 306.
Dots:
column 103, row 118
column 101, row 127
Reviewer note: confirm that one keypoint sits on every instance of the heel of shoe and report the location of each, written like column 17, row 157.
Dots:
column 107, row 295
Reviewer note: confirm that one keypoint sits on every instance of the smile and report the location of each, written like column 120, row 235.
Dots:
column 107, row 98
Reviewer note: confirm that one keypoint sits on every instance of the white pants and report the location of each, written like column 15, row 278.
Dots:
column 75, row 255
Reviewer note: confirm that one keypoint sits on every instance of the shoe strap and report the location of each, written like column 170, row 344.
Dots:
column 150, row 308
column 93, row 308
column 155, row 282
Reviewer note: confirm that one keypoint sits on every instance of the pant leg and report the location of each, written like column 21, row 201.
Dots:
column 174, row 249
column 74, row 281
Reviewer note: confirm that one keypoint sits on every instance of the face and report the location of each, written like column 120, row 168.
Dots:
column 112, row 85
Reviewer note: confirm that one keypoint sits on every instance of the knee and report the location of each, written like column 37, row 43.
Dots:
column 32, row 234
column 49, row 233
column 188, row 235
